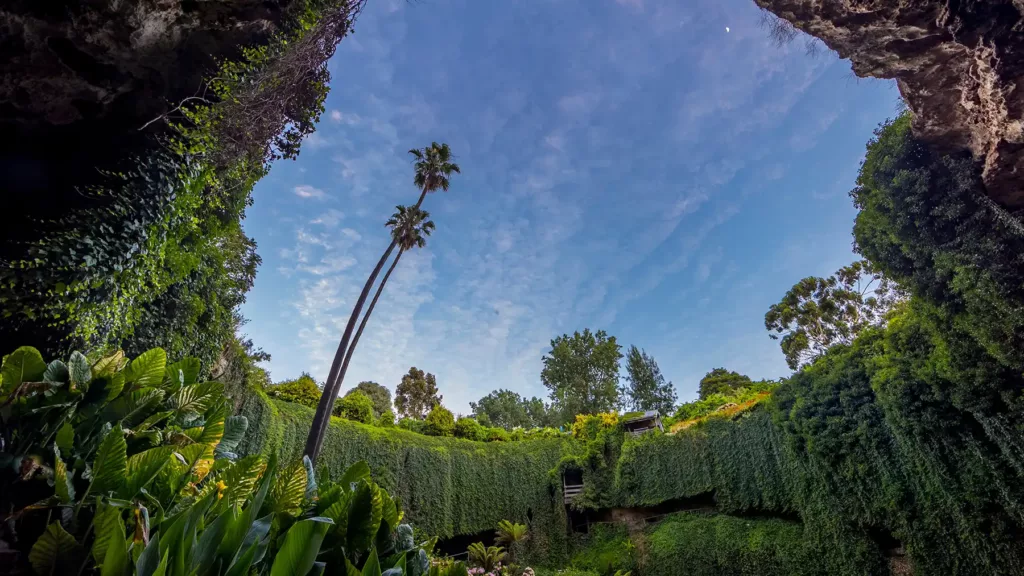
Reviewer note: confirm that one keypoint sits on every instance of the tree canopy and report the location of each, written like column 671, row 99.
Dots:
column 582, row 373
column 646, row 388
column 379, row 395
column 508, row 410
column 817, row 313
column 721, row 381
column 416, row 394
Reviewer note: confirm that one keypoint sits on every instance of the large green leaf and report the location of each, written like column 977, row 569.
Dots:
column 356, row 472
column 206, row 548
column 240, row 566
column 61, row 481
column 372, row 566
column 108, row 469
column 363, row 517
column 388, row 510
column 54, row 548
column 79, row 370
column 234, row 432
column 338, row 511
column 289, row 490
column 213, row 430
column 65, row 439
column 351, row 570
column 151, row 421
column 147, row 369
column 134, row 407
column 56, row 373
column 241, row 480
column 184, row 372
column 197, row 398
column 103, row 528
column 23, row 365
column 300, row 547
column 149, row 560
column 116, row 559
column 108, row 366
column 143, row 467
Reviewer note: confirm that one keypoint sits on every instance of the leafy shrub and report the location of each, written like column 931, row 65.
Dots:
column 607, row 549
column 588, row 426
column 355, row 406
column 412, row 425
column 440, row 422
column 139, row 448
column 714, row 401
column 694, row 545
column 387, row 419
column 496, row 435
column 303, row 390
column 469, row 429
column 487, row 557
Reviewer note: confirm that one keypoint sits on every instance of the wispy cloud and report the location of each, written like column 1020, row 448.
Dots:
column 306, row 191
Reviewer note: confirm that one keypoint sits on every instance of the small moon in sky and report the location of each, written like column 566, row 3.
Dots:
column 727, row 29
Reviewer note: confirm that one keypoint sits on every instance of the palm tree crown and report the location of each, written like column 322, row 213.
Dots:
column 410, row 227
column 433, row 166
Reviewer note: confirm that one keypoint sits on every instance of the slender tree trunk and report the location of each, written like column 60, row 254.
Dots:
column 322, row 418
column 423, row 195
column 366, row 317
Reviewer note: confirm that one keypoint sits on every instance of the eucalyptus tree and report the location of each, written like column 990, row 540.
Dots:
column 433, row 168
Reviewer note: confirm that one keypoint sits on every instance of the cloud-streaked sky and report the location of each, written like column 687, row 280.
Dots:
column 628, row 165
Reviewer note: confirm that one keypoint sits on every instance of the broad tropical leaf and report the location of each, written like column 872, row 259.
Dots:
column 65, row 438
column 147, row 369
column 213, row 430
column 351, row 570
column 109, row 365
column 135, row 407
column 241, row 480
column 143, row 468
column 240, row 567
column 338, row 511
column 389, row 510
column 23, row 365
column 78, row 368
column 301, row 545
column 56, row 373
column 116, row 558
column 61, row 480
column 108, row 469
column 149, row 560
column 102, row 526
column 289, row 490
column 205, row 549
column 152, row 421
column 195, row 399
column 54, row 547
column 184, row 372
column 363, row 517
column 372, row 565
column 356, row 472
column 234, row 432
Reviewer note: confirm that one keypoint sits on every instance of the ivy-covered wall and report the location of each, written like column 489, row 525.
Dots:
column 447, row 486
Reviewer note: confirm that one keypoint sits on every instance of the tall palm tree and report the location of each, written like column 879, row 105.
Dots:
column 409, row 229
column 433, row 169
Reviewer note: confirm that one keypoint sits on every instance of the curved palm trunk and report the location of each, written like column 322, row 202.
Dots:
column 366, row 317
column 318, row 429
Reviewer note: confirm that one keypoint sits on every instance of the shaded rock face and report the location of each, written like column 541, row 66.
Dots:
column 958, row 64
column 78, row 78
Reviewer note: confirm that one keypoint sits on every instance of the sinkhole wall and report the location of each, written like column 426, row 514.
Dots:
column 862, row 461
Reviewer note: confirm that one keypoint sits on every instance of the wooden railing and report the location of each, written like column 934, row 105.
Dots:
column 570, row 491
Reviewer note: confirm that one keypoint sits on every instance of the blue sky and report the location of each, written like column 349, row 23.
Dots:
column 628, row 165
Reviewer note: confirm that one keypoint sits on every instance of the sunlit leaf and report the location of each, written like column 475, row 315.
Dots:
column 301, row 545
column 53, row 548
column 108, row 365
column 289, row 490
column 108, row 469
column 23, row 365
column 61, row 481
column 65, row 438
column 147, row 369
column 78, row 368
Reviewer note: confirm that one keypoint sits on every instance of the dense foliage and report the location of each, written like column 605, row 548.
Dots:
column 817, row 313
column 355, row 406
column 303, row 390
column 439, row 422
column 416, row 394
column 721, row 381
column 380, row 396
column 646, row 388
column 582, row 373
column 507, row 409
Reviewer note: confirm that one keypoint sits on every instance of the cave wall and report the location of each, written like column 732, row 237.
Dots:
column 79, row 78
column 958, row 65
